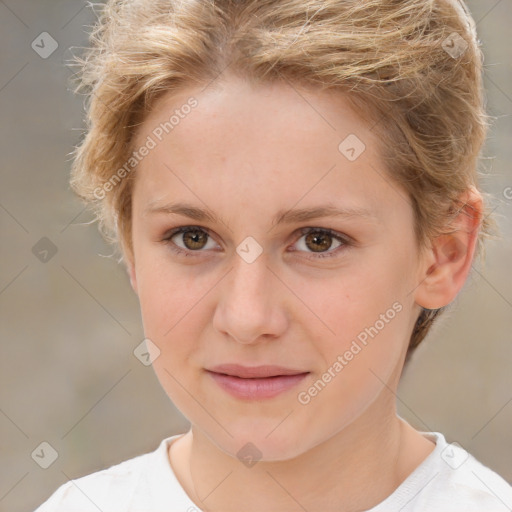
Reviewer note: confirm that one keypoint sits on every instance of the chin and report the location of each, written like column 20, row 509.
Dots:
column 260, row 440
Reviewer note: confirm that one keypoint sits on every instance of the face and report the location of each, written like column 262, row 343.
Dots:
column 275, row 262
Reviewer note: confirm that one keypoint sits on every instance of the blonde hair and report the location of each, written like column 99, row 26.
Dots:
column 411, row 68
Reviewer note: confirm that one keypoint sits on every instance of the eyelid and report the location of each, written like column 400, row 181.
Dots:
column 335, row 234
column 180, row 230
column 345, row 242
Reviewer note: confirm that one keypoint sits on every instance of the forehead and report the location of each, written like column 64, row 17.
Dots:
column 278, row 110
column 271, row 143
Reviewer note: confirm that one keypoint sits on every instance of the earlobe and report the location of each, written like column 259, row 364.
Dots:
column 450, row 255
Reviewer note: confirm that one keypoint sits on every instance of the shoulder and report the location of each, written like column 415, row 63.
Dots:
column 105, row 489
column 474, row 484
column 450, row 480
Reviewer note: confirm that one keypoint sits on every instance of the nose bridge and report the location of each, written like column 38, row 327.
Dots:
column 248, row 283
column 245, row 309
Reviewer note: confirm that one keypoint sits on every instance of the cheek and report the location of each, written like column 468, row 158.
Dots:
column 368, row 338
column 368, row 308
column 169, row 297
column 356, row 299
column 356, row 362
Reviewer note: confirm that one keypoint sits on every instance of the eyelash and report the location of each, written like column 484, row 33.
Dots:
column 346, row 242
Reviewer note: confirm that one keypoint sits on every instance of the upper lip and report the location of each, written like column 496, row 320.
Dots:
column 254, row 372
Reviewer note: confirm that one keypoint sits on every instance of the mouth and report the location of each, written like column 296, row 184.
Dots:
column 255, row 382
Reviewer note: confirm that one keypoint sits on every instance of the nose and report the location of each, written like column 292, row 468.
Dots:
column 250, row 308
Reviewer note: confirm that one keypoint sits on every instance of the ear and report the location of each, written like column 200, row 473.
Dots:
column 448, row 260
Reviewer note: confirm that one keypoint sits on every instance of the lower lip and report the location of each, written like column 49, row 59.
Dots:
column 256, row 389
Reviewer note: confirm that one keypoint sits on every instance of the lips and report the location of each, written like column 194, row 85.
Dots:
column 255, row 382
column 254, row 372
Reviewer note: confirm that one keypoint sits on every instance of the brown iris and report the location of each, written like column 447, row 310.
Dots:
column 319, row 239
column 195, row 239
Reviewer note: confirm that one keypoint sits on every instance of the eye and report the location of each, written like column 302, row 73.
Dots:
column 188, row 240
column 319, row 240
column 192, row 238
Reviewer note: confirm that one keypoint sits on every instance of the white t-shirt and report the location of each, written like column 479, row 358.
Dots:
column 448, row 480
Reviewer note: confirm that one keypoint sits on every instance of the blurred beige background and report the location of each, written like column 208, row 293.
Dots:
column 69, row 325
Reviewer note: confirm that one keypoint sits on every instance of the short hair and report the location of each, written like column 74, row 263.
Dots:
column 410, row 68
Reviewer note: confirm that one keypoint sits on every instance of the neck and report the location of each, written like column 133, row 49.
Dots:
column 377, row 447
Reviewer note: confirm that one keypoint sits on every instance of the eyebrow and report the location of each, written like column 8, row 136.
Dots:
column 282, row 216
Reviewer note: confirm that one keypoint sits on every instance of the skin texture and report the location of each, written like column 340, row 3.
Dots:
column 245, row 153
